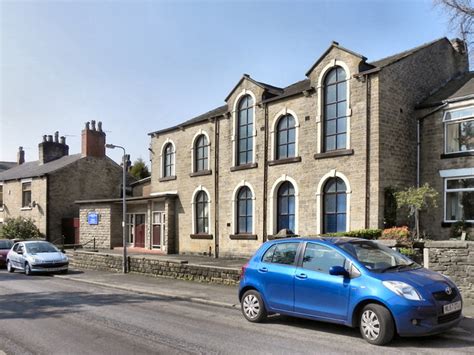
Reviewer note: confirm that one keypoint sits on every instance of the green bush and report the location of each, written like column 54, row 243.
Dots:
column 360, row 233
column 20, row 228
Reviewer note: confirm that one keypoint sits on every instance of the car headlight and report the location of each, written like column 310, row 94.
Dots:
column 403, row 289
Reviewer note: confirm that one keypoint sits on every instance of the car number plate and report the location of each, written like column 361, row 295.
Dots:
column 452, row 307
column 55, row 269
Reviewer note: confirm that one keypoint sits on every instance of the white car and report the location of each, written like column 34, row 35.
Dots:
column 36, row 256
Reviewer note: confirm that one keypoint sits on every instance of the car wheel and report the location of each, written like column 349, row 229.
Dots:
column 27, row 269
column 376, row 324
column 253, row 307
column 63, row 272
column 10, row 268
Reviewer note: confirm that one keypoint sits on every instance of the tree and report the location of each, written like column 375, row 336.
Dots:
column 139, row 169
column 417, row 199
column 20, row 228
column 461, row 16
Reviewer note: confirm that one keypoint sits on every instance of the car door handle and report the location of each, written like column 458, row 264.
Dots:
column 301, row 276
column 263, row 269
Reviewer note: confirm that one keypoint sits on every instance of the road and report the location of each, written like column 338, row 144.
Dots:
column 47, row 315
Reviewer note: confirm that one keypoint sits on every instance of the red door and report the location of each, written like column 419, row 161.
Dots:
column 140, row 231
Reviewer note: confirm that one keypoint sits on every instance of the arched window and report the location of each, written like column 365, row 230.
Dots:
column 202, row 213
column 286, row 137
column 245, row 131
column 335, row 206
column 286, row 207
column 201, row 154
column 335, row 110
column 168, row 165
column 244, row 211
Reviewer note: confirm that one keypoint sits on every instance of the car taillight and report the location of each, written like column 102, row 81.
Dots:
column 242, row 273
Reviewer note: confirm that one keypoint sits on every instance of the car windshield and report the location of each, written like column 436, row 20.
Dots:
column 6, row 244
column 40, row 247
column 377, row 257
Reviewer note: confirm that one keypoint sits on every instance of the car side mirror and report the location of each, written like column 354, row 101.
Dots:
column 338, row 271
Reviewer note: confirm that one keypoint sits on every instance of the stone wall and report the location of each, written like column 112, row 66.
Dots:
column 156, row 267
column 454, row 259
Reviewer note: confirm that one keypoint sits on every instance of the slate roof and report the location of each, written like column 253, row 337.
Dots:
column 293, row 89
column 456, row 88
column 34, row 169
column 5, row 165
column 396, row 57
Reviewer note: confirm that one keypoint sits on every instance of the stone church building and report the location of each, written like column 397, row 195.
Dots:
column 314, row 157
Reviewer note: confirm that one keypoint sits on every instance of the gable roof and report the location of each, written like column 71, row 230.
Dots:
column 5, row 165
column 293, row 89
column 219, row 111
column 456, row 89
column 334, row 44
column 270, row 88
column 396, row 57
column 34, row 169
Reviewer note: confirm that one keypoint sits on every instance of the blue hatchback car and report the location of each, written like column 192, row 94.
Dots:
column 350, row 281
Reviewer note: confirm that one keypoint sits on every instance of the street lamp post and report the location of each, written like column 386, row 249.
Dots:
column 124, row 205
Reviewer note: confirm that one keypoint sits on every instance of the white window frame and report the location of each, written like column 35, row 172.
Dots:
column 320, row 114
column 273, row 220
column 274, row 131
column 162, row 159
column 25, row 181
column 235, row 201
column 235, row 118
column 458, row 120
column 193, row 145
column 193, row 209
column 446, row 191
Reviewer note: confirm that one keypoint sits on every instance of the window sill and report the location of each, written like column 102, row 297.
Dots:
column 284, row 161
column 168, row 178
column 244, row 167
column 334, row 154
column 449, row 224
column 201, row 236
column 243, row 237
column 25, row 209
column 201, row 173
column 457, row 155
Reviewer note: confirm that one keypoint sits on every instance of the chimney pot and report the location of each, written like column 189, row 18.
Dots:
column 56, row 137
column 50, row 138
column 62, row 140
column 99, row 126
column 20, row 156
column 93, row 125
column 44, row 138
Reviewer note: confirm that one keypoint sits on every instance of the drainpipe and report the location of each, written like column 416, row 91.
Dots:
column 216, row 187
column 265, row 174
column 367, row 151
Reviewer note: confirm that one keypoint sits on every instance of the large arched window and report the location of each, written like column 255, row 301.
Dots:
column 335, row 206
column 286, row 138
column 202, row 213
column 169, row 160
column 244, row 211
column 286, row 207
column 245, row 131
column 201, row 154
column 335, row 110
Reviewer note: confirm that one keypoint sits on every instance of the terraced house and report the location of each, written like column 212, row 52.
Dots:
column 314, row 157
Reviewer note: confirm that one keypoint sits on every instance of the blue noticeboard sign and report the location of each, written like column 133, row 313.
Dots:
column 93, row 218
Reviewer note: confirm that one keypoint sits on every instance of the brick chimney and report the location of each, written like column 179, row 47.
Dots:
column 93, row 140
column 20, row 157
column 50, row 150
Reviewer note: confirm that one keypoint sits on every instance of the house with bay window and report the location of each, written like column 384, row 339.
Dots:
column 317, row 156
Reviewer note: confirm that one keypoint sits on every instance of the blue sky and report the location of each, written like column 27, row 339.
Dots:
column 140, row 66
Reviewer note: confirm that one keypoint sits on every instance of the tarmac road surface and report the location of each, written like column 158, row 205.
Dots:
column 47, row 315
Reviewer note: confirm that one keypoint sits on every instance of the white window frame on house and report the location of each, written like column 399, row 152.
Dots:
column 163, row 159
column 23, row 182
column 320, row 196
column 273, row 220
column 198, row 134
column 235, row 126
column 274, row 131
column 235, row 211
column 193, row 210
column 446, row 191
column 448, row 120
column 320, row 117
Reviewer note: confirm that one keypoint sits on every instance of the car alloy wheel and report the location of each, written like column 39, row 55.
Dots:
column 27, row 269
column 253, row 307
column 370, row 325
column 10, row 268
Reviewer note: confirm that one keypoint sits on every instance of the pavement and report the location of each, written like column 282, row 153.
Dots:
column 208, row 294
